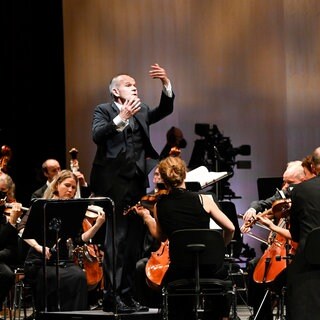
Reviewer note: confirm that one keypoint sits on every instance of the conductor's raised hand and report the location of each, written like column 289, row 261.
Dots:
column 157, row 72
column 130, row 108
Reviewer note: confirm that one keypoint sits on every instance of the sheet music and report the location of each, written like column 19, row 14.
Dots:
column 205, row 177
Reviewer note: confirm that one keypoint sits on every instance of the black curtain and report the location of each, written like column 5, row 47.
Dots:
column 32, row 121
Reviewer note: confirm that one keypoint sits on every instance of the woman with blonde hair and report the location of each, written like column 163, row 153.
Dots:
column 73, row 283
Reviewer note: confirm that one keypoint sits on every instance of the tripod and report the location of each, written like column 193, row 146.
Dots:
column 234, row 275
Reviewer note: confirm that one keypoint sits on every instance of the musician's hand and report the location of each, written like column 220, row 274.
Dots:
column 245, row 228
column 142, row 211
column 101, row 218
column 81, row 178
column 249, row 214
column 266, row 221
column 39, row 249
column 15, row 212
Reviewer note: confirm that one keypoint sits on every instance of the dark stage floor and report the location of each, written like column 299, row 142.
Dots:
column 243, row 313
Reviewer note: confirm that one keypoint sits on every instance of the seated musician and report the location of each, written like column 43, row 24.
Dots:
column 144, row 293
column 181, row 209
column 73, row 282
column 8, row 234
column 294, row 174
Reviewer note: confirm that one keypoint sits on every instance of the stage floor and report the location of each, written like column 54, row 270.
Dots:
column 152, row 314
column 243, row 313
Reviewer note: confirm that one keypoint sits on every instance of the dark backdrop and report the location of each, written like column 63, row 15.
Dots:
column 32, row 120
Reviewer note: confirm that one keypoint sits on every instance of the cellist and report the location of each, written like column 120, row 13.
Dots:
column 146, row 295
column 294, row 174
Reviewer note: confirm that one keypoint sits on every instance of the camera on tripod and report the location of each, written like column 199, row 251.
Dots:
column 216, row 152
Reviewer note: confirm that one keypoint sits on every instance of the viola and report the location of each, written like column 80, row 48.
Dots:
column 157, row 266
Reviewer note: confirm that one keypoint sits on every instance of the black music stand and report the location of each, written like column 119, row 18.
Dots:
column 50, row 220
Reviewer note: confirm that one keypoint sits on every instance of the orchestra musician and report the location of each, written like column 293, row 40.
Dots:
column 8, row 234
column 175, row 139
column 50, row 168
column 293, row 175
column 73, row 282
column 304, row 279
column 146, row 295
column 181, row 209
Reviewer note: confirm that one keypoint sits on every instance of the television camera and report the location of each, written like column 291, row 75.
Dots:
column 216, row 152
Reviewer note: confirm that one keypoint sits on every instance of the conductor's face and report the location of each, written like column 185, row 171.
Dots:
column 67, row 188
column 126, row 88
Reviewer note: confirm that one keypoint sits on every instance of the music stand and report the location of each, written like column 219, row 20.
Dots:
column 69, row 214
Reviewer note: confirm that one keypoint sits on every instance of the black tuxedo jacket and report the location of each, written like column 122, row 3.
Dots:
column 110, row 157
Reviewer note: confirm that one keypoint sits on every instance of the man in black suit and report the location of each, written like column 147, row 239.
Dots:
column 304, row 279
column 123, row 160
column 50, row 168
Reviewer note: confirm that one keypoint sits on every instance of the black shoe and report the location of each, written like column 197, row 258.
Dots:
column 129, row 301
column 110, row 306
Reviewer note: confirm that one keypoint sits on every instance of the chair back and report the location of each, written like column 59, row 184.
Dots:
column 312, row 252
column 229, row 209
column 208, row 244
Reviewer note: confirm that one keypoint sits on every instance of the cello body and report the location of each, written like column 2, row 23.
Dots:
column 89, row 258
column 157, row 266
column 275, row 258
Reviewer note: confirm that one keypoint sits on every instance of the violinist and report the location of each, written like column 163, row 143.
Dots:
column 294, row 174
column 181, row 209
column 8, row 235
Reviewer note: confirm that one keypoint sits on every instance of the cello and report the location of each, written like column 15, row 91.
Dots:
column 89, row 256
column 157, row 266
column 276, row 257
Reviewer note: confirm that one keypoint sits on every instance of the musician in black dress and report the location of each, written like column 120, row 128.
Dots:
column 72, row 279
column 182, row 209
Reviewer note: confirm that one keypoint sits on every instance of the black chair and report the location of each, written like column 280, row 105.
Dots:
column 197, row 249
column 311, row 251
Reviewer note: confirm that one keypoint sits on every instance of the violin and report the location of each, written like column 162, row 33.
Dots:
column 148, row 201
column 279, row 209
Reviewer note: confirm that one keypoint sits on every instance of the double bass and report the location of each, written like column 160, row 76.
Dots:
column 277, row 256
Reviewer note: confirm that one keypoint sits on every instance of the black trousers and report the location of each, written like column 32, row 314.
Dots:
column 7, row 278
column 128, row 236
